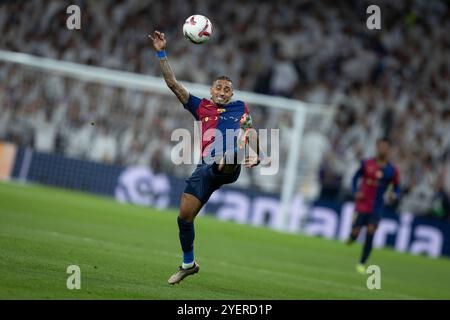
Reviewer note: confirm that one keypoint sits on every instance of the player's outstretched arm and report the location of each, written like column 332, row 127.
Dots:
column 159, row 44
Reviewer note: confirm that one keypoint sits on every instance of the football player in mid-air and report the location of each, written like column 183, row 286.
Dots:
column 222, row 114
column 378, row 175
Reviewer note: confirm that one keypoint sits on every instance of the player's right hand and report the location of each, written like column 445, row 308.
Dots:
column 159, row 42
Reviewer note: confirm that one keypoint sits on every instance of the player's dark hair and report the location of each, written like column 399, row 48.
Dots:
column 384, row 139
column 222, row 78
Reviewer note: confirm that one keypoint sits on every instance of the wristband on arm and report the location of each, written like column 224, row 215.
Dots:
column 161, row 54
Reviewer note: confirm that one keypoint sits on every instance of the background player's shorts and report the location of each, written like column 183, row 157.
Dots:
column 206, row 179
column 363, row 219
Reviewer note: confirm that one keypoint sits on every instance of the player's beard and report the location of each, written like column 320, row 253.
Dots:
column 221, row 102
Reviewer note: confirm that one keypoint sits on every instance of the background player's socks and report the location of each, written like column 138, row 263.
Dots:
column 367, row 248
column 187, row 235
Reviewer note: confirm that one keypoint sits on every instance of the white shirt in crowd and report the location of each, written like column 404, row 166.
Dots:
column 104, row 148
column 44, row 134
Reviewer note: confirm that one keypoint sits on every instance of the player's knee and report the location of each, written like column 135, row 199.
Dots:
column 189, row 208
column 371, row 228
column 355, row 231
column 186, row 214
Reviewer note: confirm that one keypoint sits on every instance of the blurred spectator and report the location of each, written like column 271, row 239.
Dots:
column 284, row 77
column 104, row 146
column 44, row 131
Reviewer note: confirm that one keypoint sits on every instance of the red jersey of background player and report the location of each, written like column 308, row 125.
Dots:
column 377, row 174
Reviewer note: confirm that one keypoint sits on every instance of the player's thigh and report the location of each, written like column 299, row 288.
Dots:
column 200, row 184
column 359, row 220
column 189, row 207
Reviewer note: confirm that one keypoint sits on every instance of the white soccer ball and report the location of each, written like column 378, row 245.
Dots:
column 197, row 29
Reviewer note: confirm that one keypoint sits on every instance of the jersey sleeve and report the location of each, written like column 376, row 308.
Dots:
column 358, row 174
column 192, row 105
column 396, row 182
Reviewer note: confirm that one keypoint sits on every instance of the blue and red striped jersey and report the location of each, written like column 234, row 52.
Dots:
column 375, row 181
column 215, row 121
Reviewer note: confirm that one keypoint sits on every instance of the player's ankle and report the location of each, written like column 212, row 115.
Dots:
column 187, row 265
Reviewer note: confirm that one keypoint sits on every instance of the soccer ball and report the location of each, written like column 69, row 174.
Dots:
column 197, row 29
column 246, row 121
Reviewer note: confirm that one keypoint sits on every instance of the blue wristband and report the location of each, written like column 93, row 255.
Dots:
column 161, row 54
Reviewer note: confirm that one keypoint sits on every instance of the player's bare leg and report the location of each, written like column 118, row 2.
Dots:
column 189, row 208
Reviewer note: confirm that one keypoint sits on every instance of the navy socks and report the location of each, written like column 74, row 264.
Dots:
column 367, row 248
column 187, row 235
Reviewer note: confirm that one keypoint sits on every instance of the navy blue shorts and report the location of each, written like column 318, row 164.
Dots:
column 364, row 219
column 206, row 179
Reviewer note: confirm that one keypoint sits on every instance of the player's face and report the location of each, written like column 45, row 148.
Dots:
column 383, row 149
column 221, row 92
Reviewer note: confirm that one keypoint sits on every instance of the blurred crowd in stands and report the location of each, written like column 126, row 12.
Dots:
column 391, row 82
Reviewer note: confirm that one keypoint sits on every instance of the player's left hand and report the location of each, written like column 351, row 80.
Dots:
column 158, row 40
column 391, row 197
column 251, row 161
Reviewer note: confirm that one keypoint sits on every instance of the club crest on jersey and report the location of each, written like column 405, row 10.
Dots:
column 221, row 110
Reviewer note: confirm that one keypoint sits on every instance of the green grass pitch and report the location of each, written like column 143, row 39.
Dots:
column 128, row 252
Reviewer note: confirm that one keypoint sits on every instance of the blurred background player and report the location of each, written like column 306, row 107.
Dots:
column 378, row 175
column 218, row 113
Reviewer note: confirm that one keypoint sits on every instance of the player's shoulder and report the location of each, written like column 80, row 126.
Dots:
column 206, row 100
column 393, row 166
column 203, row 102
column 239, row 104
column 366, row 161
column 195, row 100
column 236, row 102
